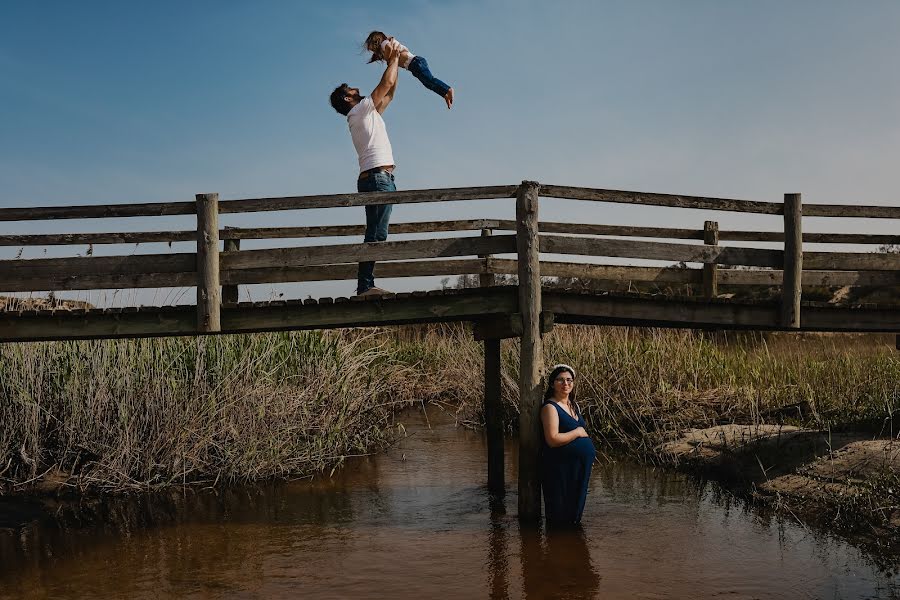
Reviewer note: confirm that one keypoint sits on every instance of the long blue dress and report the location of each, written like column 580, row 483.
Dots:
column 565, row 472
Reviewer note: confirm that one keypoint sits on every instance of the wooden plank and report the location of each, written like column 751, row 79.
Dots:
column 793, row 261
column 617, row 230
column 98, row 282
column 398, row 310
column 498, row 327
column 622, row 230
column 531, row 364
column 348, row 230
column 604, row 272
column 711, row 238
column 810, row 278
column 851, row 210
column 851, row 261
column 97, row 211
column 367, row 199
column 247, row 317
column 374, row 251
column 669, row 200
column 348, row 271
column 553, row 244
column 235, row 233
column 183, row 262
column 611, row 309
column 98, row 324
column 79, row 239
column 815, row 238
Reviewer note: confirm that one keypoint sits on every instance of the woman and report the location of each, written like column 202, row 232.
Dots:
column 568, row 452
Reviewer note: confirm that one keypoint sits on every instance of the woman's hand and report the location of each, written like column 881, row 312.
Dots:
column 581, row 432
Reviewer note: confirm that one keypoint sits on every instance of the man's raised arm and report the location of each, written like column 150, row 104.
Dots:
column 384, row 91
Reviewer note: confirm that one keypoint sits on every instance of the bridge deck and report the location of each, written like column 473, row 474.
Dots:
column 474, row 305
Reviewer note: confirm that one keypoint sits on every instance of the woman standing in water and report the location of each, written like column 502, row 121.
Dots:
column 567, row 454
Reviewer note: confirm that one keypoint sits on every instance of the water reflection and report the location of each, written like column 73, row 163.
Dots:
column 556, row 563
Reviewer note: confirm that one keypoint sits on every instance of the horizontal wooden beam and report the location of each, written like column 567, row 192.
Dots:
column 810, row 278
column 99, row 282
column 601, row 272
column 240, row 233
column 325, row 313
column 815, row 238
column 97, row 265
column 669, row 200
column 851, row 261
column 376, row 251
column 851, row 210
column 502, row 327
column 348, row 271
column 84, row 239
column 695, row 276
column 367, row 199
column 98, row 211
column 723, row 255
column 644, row 310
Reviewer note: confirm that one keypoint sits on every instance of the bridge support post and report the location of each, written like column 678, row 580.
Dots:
column 710, row 270
column 793, row 262
column 531, row 353
column 230, row 292
column 208, row 292
column 493, row 417
column 493, row 403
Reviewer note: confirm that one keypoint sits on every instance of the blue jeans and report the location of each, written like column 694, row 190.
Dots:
column 419, row 68
column 377, row 218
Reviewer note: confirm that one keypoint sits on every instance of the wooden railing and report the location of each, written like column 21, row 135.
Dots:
column 216, row 272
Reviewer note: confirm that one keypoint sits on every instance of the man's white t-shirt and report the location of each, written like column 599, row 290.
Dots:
column 370, row 136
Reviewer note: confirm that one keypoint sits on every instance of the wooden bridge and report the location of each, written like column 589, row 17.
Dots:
column 525, row 310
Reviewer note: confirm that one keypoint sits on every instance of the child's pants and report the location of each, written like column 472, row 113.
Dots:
column 419, row 68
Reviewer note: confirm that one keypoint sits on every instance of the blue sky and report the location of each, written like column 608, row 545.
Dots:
column 108, row 102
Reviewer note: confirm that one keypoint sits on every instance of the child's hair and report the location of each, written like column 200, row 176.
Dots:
column 373, row 45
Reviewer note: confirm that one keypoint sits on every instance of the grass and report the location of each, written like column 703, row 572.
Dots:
column 133, row 414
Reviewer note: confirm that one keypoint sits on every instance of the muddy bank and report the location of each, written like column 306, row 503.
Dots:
column 846, row 479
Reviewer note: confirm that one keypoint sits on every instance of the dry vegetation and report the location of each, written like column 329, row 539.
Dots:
column 123, row 414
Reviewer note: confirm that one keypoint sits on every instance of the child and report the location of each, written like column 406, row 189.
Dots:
column 377, row 41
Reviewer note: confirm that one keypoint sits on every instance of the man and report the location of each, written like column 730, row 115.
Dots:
column 373, row 148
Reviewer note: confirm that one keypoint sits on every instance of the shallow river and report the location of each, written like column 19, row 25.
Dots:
column 416, row 522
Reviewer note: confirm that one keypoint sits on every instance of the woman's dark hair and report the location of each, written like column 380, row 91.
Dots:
column 373, row 45
column 337, row 99
column 552, row 377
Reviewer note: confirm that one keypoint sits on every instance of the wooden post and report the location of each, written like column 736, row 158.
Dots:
column 208, row 294
column 230, row 292
column 493, row 417
column 710, row 270
column 531, row 354
column 793, row 261
column 493, row 404
column 486, row 279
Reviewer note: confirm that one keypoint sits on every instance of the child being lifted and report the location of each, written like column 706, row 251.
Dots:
column 417, row 65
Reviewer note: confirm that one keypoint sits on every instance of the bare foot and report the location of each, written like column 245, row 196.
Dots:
column 448, row 98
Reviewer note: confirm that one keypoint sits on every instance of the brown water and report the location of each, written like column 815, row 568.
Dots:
column 416, row 522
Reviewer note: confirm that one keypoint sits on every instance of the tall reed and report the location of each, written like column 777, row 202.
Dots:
column 122, row 414
column 136, row 413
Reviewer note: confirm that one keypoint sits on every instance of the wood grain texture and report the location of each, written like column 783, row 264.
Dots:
column 554, row 244
column 531, row 351
column 375, row 251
